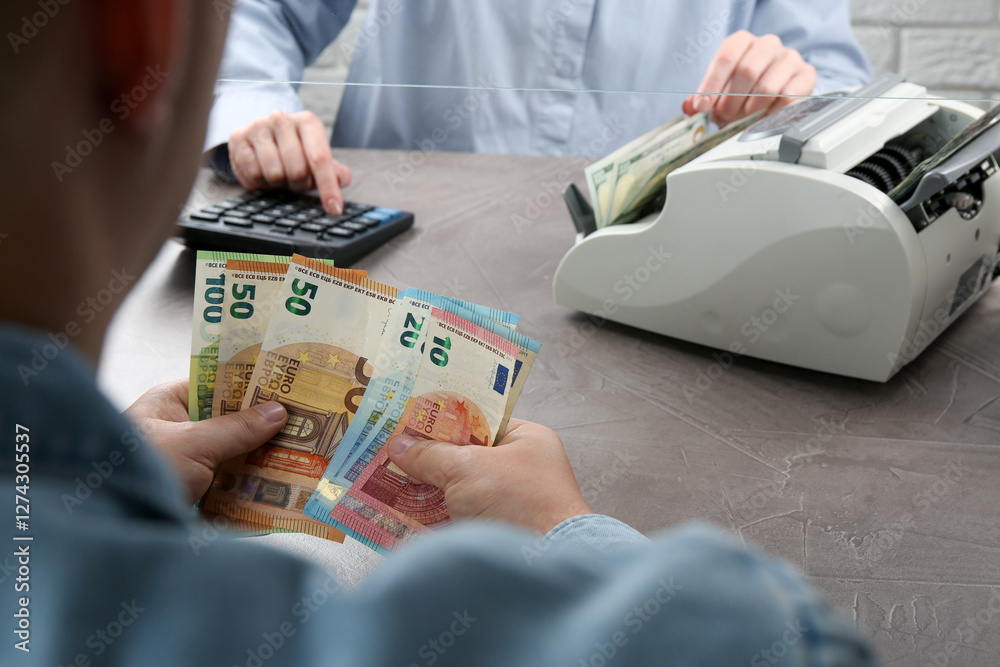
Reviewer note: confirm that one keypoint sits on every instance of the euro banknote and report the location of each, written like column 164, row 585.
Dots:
column 459, row 395
column 252, row 288
column 209, row 293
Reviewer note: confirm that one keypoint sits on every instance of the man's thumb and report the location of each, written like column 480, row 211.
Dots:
column 241, row 432
column 429, row 461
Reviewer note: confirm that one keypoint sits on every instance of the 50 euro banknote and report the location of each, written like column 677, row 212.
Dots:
column 314, row 361
column 253, row 288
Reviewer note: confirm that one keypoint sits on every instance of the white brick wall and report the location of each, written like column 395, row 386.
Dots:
column 951, row 46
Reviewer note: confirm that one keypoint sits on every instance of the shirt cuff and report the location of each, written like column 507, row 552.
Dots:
column 595, row 532
column 238, row 104
column 217, row 160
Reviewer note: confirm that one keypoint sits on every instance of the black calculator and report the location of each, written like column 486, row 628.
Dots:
column 283, row 223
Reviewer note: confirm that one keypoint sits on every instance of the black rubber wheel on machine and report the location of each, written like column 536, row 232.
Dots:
column 879, row 177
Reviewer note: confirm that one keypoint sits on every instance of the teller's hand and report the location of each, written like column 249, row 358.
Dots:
column 747, row 65
column 289, row 151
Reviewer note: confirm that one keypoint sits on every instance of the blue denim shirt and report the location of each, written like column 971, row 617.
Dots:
column 113, row 573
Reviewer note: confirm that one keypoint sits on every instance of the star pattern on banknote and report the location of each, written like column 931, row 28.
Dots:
column 303, row 357
column 475, row 424
column 333, row 359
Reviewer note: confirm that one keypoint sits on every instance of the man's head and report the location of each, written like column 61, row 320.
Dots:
column 100, row 132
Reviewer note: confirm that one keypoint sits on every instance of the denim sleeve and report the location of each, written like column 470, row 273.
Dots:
column 594, row 532
column 693, row 596
column 270, row 42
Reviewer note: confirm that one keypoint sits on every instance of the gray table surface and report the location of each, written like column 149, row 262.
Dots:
column 885, row 496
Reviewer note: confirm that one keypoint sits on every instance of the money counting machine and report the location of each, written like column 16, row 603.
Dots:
column 782, row 243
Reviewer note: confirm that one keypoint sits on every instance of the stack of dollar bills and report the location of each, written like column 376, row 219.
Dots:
column 355, row 362
column 631, row 182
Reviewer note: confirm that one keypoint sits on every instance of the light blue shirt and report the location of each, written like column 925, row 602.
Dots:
column 559, row 48
column 108, row 570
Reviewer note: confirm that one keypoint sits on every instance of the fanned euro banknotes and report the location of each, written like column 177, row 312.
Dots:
column 354, row 362
column 631, row 182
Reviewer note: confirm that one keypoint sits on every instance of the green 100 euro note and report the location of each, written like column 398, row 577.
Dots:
column 209, row 294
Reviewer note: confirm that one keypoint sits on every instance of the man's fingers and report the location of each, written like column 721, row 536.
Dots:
column 757, row 59
column 222, row 438
column 266, row 150
column 244, row 161
column 324, row 169
column 344, row 173
column 774, row 82
column 720, row 70
column 803, row 83
column 429, row 461
column 161, row 402
column 293, row 159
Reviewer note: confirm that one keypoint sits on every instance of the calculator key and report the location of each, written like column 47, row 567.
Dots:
column 389, row 213
column 305, row 216
column 353, row 226
column 367, row 221
column 263, row 218
column 288, row 223
column 239, row 222
column 331, row 219
column 228, row 204
column 289, row 207
column 311, row 227
column 235, row 213
column 340, row 232
column 251, row 207
column 207, row 217
column 281, row 230
column 213, row 209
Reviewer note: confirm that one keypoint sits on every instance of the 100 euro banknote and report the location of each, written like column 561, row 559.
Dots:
column 209, row 293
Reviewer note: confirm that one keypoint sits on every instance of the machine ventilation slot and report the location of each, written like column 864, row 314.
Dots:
column 887, row 168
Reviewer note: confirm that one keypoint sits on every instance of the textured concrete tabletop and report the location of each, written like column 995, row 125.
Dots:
column 886, row 496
